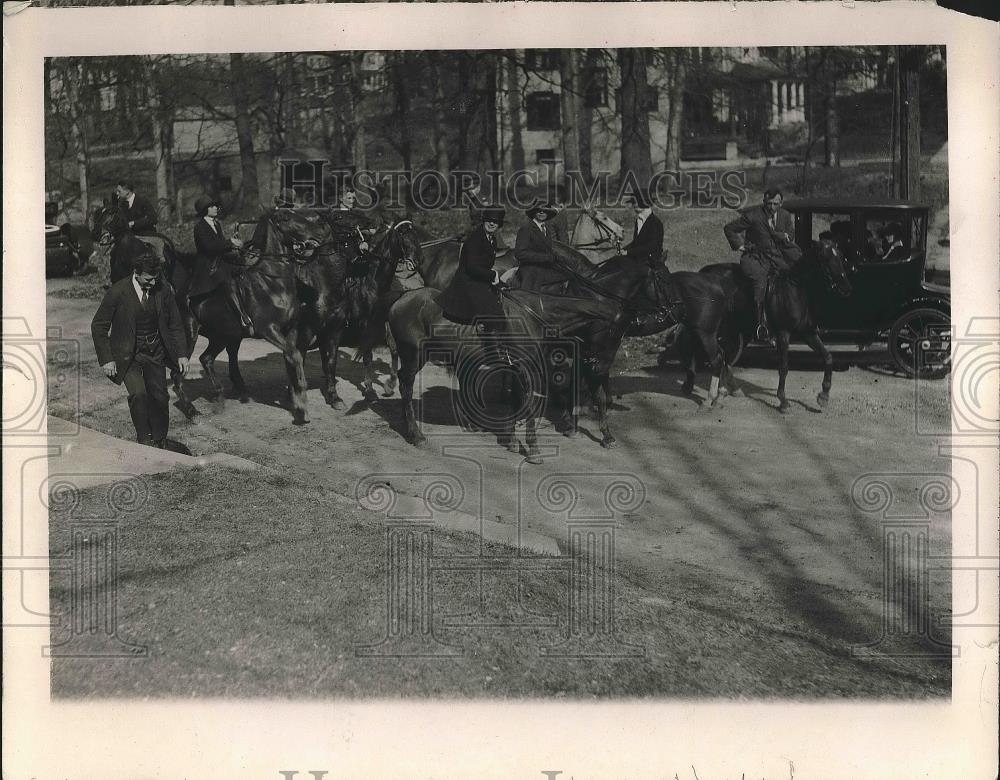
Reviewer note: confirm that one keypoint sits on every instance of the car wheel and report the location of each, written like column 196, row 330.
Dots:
column 920, row 343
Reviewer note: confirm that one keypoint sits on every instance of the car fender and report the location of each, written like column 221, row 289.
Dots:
column 926, row 301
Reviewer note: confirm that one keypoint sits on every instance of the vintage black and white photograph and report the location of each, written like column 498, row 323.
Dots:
column 499, row 390
column 502, row 373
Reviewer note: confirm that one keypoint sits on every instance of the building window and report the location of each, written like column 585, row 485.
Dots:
column 543, row 156
column 541, row 59
column 108, row 98
column 596, row 89
column 543, row 111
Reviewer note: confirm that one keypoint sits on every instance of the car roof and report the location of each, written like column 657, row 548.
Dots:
column 831, row 204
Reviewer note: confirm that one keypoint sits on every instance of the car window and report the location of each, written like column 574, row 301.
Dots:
column 836, row 227
column 890, row 238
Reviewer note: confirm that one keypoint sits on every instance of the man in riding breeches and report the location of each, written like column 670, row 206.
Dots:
column 764, row 235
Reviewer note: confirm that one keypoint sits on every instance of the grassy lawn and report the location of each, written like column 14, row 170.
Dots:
column 246, row 585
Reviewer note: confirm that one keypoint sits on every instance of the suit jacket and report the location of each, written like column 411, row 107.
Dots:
column 648, row 244
column 211, row 244
column 896, row 254
column 558, row 227
column 470, row 292
column 141, row 213
column 752, row 229
column 113, row 326
column 535, row 258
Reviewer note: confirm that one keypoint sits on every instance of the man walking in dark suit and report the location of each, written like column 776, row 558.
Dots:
column 138, row 334
column 536, row 259
column 647, row 240
column 137, row 212
column 765, row 236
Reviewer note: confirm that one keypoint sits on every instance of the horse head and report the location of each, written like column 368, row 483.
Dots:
column 399, row 242
column 833, row 265
column 298, row 233
column 109, row 224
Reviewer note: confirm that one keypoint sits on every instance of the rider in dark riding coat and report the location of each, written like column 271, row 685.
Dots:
column 216, row 254
column 764, row 235
column 350, row 228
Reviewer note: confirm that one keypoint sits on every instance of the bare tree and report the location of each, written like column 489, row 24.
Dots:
column 636, row 157
column 569, row 98
column 677, row 64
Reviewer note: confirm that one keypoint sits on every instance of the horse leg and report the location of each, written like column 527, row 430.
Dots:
column 207, row 360
column 333, row 349
column 390, row 386
column 324, row 357
column 410, row 365
column 368, row 386
column 782, row 338
column 688, row 359
column 235, row 375
column 183, row 402
column 295, row 367
column 813, row 340
column 717, row 363
column 599, row 388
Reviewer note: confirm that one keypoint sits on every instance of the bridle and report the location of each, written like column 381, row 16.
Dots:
column 607, row 234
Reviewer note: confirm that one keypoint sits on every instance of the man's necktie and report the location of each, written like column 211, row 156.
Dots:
column 145, row 296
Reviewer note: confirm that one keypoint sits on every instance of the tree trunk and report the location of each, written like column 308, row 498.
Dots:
column 249, row 191
column 569, row 86
column 909, row 122
column 441, row 160
column 514, row 115
column 636, row 159
column 73, row 77
column 586, row 122
column 675, row 121
column 162, row 124
column 832, row 121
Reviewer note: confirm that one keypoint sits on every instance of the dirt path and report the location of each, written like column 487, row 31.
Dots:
column 746, row 510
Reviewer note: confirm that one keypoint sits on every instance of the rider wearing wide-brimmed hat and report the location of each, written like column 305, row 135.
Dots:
column 472, row 292
column 216, row 253
column 536, row 259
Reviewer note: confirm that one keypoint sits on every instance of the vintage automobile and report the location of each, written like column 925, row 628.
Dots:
column 885, row 245
column 62, row 256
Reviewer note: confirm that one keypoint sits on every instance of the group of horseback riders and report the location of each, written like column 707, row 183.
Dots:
column 763, row 234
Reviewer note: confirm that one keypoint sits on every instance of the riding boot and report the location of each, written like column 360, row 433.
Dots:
column 245, row 322
column 760, row 332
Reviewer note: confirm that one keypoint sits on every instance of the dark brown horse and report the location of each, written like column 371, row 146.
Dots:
column 347, row 297
column 788, row 306
column 267, row 284
column 421, row 332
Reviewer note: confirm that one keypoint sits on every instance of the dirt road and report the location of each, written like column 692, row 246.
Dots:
column 747, row 511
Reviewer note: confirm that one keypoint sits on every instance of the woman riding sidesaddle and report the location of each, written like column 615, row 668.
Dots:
column 216, row 257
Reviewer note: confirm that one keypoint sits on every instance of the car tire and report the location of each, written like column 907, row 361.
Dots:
column 925, row 334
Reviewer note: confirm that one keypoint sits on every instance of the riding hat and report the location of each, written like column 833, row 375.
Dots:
column 492, row 214
column 639, row 196
column 538, row 207
column 201, row 205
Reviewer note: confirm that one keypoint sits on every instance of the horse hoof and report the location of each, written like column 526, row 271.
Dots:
column 570, row 433
column 703, row 407
column 300, row 418
column 244, row 398
column 609, row 443
column 513, row 447
column 823, row 399
column 534, row 459
column 337, row 404
column 784, row 408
